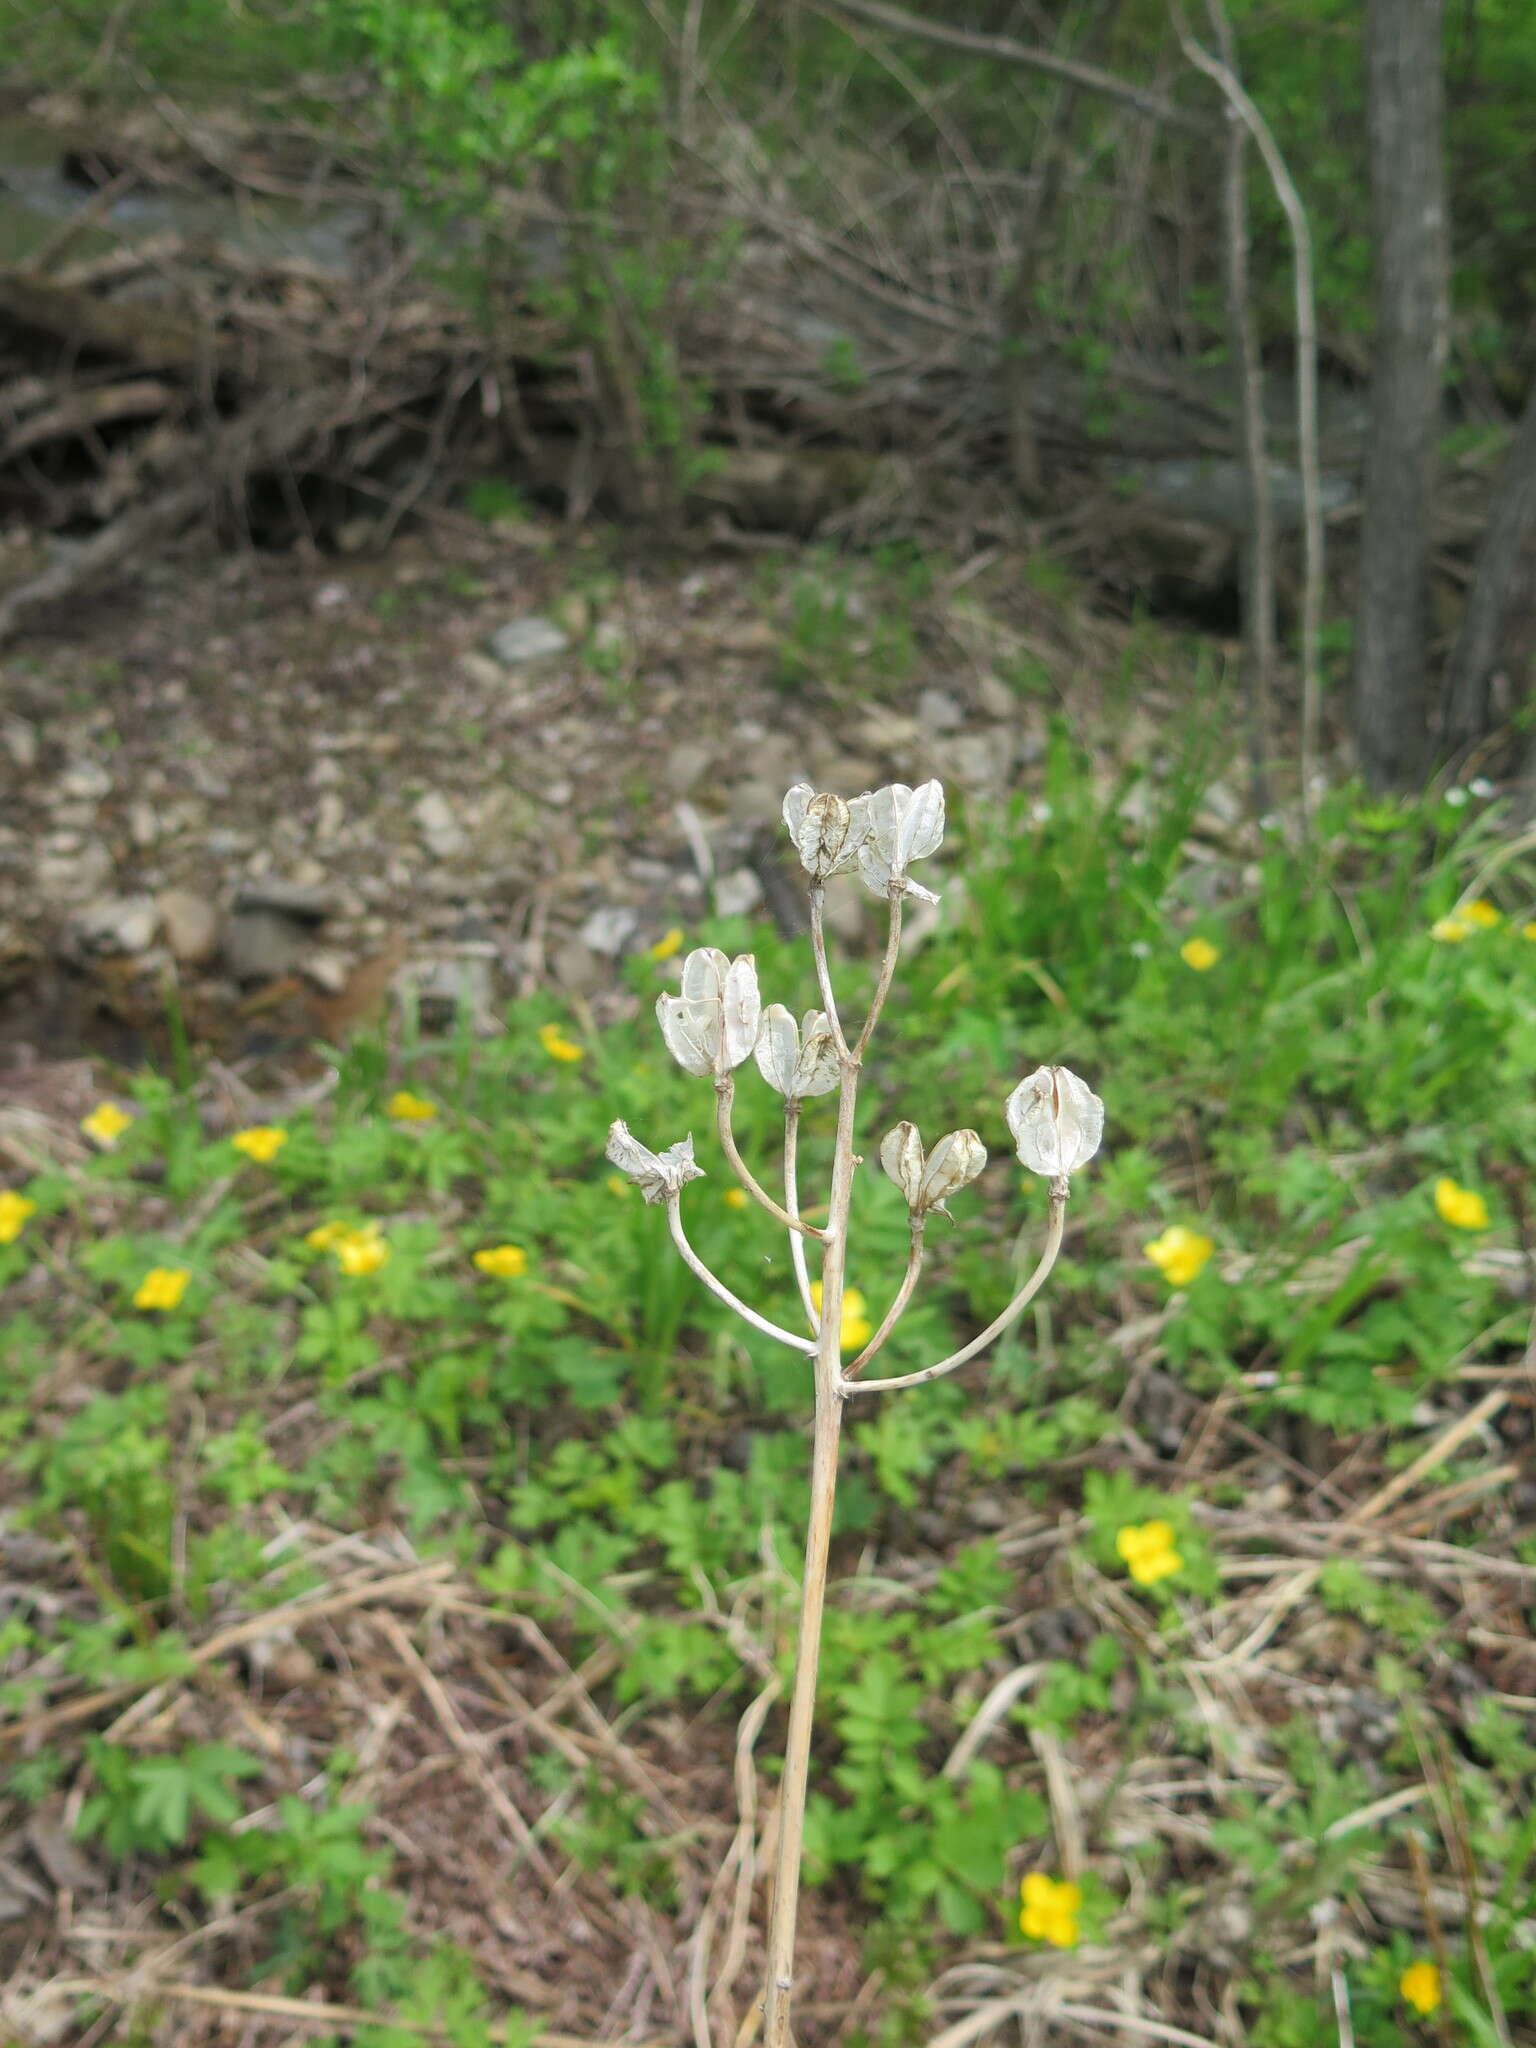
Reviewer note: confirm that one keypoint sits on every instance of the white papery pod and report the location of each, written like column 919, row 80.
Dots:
column 816, row 1070
column 906, row 824
column 877, row 872
column 796, row 1060
column 901, row 1157
column 658, row 1175
column 827, row 831
column 692, row 1031
column 777, row 1049
column 741, row 1010
column 1056, row 1121
column 704, row 972
column 953, row 1164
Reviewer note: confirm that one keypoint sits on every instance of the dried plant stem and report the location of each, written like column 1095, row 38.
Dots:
column 813, row 1584
column 725, row 1096
column 898, row 1307
column 887, row 970
column 823, row 972
column 718, row 1287
column 792, row 1204
column 996, row 1327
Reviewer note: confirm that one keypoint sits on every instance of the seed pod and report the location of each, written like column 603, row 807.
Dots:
column 928, row 1183
column 901, row 1156
column 793, row 1059
column 953, row 1164
column 905, row 825
column 712, row 1026
column 827, row 830
column 1056, row 1121
column 658, row 1175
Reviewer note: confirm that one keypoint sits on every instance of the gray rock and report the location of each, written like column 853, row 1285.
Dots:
column 87, row 780
column 609, row 929
column 687, row 765
column 738, row 893
column 577, row 967
column 262, row 944
column 116, row 924
column 72, row 872
column 191, row 925
column 438, row 826
column 143, row 823
column 939, row 711
column 20, row 743
column 530, row 639
column 330, row 816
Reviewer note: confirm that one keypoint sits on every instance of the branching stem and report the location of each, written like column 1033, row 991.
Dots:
column 996, row 1327
column 887, row 969
column 725, row 1096
column 718, row 1287
column 898, row 1307
column 823, row 972
column 792, row 1204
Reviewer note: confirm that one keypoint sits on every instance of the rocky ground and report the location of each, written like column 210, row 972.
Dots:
column 256, row 792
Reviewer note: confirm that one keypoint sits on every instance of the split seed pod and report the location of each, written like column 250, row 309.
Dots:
column 828, row 831
column 904, row 825
column 796, row 1060
column 1056, row 1121
column 658, row 1175
column 712, row 1026
column 929, row 1182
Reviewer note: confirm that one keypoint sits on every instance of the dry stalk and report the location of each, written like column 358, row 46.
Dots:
column 712, row 1027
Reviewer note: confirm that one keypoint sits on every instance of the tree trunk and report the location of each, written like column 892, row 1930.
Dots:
column 1469, row 711
column 1406, row 107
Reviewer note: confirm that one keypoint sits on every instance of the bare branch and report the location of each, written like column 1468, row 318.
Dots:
column 725, row 1095
column 1004, row 50
column 994, row 1329
column 792, row 1204
column 718, row 1287
column 898, row 1307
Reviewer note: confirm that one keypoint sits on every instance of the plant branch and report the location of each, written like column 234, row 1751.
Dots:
column 887, row 970
column 779, row 1989
column 792, row 1204
column 1003, row 49
column 823, row 972
column 1244, row 110
column 725, row 1095
column 994, row 1329
column 718, row 1287
column 898, row 1307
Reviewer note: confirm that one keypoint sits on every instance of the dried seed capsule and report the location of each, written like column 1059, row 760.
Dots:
column 712, row 1026
column 953, row 1164
column 827, row 830
column 901, row 1156
column 658, row 1175
column 796, row 1060
column 1056, row 1121
column 904, row 825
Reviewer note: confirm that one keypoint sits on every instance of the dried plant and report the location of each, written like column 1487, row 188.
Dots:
column 713, row 1026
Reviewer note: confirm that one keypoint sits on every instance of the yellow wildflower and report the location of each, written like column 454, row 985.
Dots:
column 1463, row 1208
column 1147, row 1551
column 1050, row 1909
column 162, row 1287
column 106, row 1124
column 736, row 1198
column 326, row 1236
column 557, row 1045
column 669, row 943
column 1450, row 931
column 262, row 1142
column 503, row 1261
column 1199, row 954
column 407, row 1108
column 14, row 1211
column 1528, row 931
column 1180, row 1254
column 616, row 1184
column 1420, row 1987
column 1480, row 912
column 362, row 1252
column 856, row 1329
